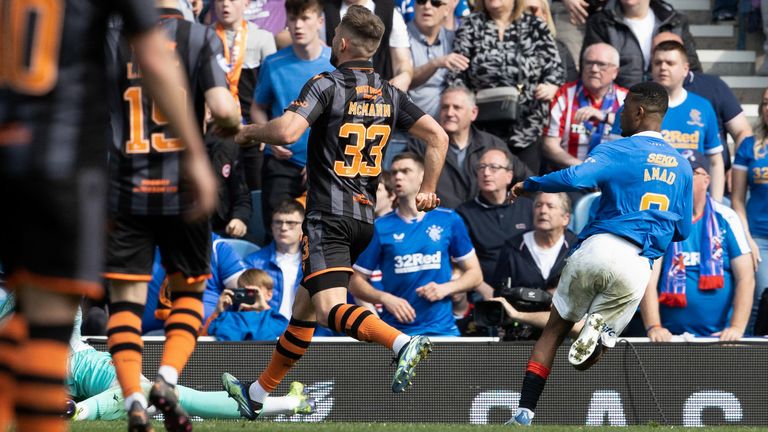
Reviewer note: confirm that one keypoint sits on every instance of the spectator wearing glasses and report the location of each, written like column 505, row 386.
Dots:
column 431, row 46
column 583, row 111
column 490, row 218
column 458, row 180
column 281, row 259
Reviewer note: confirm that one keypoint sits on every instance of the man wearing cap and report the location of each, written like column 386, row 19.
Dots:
column 702, row 285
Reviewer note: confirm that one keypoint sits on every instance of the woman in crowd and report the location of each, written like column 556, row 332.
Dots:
column 507, row 47
column 541, row 10
column 750, row 173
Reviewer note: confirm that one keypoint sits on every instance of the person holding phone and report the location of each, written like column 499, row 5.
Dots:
column 243, row 313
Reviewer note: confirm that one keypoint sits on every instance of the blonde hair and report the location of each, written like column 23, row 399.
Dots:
column 519, row 10
column 255, row 277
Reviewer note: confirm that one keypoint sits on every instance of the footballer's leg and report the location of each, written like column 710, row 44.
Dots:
column 13, row 332
column 291, row 346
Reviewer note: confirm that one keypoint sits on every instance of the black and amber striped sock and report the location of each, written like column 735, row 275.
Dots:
column 40, row 371
column 289, row 349
column 12, row 335
column 125, row 344
column 361, row 324
column 181, row 329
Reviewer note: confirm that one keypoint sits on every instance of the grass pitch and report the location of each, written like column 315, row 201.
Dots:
column 239, row 426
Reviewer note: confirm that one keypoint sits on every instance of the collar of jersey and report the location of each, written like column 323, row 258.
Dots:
column 356, row 64
column 417, row 219
column 650, row 134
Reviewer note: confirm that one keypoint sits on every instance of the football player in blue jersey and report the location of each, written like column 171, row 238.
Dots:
column 646, row 203
column 414, row 249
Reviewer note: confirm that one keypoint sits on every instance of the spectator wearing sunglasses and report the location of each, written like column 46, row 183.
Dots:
column 431, row 46
column 490, row 218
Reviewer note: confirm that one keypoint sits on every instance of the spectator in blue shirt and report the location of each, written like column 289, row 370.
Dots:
column 281, row 258
column 414, row 251
column 705, row 283
column 280, row 81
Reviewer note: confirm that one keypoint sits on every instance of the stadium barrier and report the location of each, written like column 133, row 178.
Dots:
column 478, row 382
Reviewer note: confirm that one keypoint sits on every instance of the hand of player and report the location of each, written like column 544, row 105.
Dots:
column 204, row 186
column 243, row 136
column 400, row 308
column 236, row 228
column 659, row 334
column 225, row 300
column 577, row 10
column 427, row 201
column 433, row 291
column 508, row 308
column 280, row 152
column 588, row 113
column 517, row 191
column 545, row 92
column 730, row 334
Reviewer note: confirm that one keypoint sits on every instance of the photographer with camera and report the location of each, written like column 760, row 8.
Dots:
column 243, row 313
column 528, row 270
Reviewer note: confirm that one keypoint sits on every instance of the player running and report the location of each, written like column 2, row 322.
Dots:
column 149, row 197
column 52, row 175
column 352, row 112
column 646, row 203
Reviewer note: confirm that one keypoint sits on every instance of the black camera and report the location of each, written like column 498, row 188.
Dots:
column 243, row 296
column 595, row 5
column 491, row 313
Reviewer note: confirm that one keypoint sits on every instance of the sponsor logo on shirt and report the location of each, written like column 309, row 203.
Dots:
column 410, row 263
column 398, row 237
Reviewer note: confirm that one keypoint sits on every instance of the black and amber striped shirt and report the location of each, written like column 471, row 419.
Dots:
column 146, row 158
column 353, row 113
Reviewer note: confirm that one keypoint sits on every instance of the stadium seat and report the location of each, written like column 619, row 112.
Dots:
column 242, row 247
column 256, row 233
column 582, row 211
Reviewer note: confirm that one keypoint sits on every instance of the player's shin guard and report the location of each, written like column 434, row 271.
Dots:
column 181, row 330
column 289, row 349
column 533, row 384
column 40, row 371
column 361, row 324
column 12, row 335
column 125, row 344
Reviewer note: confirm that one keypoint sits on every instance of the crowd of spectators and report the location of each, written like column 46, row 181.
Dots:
column 447, row 54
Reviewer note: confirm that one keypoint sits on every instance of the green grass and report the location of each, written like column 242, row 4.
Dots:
column 229, row 426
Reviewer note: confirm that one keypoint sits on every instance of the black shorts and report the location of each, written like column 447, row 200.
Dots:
column 331, row 244
column 51, row 228
column 184, row 247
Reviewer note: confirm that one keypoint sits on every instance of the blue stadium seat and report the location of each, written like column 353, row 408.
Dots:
column 256, row 233
column 582, row 211
column 242, row 247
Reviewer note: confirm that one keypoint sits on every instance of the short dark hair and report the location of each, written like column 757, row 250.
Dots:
column 255, row 277
column 409, row 155
column 289, row 206
column 362, row 29
column 651, row 96
column 297, row 7
column 672, row 45
column 388, row 180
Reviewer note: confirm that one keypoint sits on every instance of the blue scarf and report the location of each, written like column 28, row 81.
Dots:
column 710, row 268
column 610, row 104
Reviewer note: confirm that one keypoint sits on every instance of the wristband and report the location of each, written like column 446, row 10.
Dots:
column 652, row 326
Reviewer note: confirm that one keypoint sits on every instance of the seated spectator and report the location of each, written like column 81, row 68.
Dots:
column 392, row 59
column 226, row 267
column 583, row 111
column 490, row 217
column 535, row 259
column 385, row 195
column 458, row 180
column 247, row 321
column 690, row 120
column 234, row 207
column 749, row 175
column 281, row 79
column 530, row 59
column 281, row 258
column 703, row 285
column 629, row 26
column 414, row 251
column 431, row 49
column 541, row 10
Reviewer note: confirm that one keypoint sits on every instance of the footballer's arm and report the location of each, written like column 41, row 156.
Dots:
column 224, row 109
column 429, row 131
column 281, row 131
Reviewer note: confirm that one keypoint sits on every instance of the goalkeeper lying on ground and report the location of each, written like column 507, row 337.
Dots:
column 92, row 381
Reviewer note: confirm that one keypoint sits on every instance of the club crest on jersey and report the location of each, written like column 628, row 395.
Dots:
column 226, row 170
column 398, row 237
column 434, row 232
column 695, row 118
